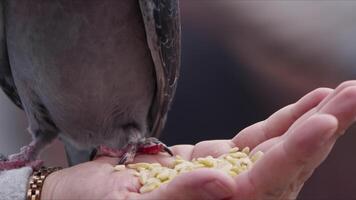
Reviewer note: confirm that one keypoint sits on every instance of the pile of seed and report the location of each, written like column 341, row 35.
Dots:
column 153, row 175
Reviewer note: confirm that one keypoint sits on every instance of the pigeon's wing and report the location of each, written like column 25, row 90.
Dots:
column 6, row 80
column 163, row 33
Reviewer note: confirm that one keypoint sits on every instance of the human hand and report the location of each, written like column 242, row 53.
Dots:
column 98, row 180
column 295, row 139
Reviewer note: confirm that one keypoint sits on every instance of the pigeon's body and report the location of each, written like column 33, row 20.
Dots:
column 92, row 71
column 87, row 70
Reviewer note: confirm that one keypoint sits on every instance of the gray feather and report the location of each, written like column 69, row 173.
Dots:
column 75, row 155
column 163, row 32
column 6, row 80
column 94, row 72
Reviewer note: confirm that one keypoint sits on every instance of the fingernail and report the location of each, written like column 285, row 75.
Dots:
column 216, row 190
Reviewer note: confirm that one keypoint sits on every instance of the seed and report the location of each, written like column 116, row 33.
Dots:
column 150, row 185
column 119, row 167
column 233, row 150
column 232, row 173
column 164, row 175
column 246, row 150
column 256, row 156
column 208, row 161
column 238, row 155
column 153, row 175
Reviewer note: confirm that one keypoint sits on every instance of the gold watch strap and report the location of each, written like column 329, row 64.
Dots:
column 36, row 182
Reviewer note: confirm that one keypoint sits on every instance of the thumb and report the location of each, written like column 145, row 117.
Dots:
column 198, row 184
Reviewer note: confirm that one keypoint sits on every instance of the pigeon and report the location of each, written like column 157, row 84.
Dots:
column 98, row 75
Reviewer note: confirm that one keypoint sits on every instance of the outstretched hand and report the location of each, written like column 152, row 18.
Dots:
column 295, row 140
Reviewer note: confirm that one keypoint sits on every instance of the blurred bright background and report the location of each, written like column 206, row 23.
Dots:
column 241, row 61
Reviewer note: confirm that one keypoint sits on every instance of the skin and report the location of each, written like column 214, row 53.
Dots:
column 296, row 140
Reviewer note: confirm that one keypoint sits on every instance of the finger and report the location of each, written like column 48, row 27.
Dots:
column 341, row 103
column 105, row 159
column 198, row 184
column 266, row 145
column 337, row 90
column 213, row 148
column 317, row 159
column 278, row 170
column 163, row 159
column 342, row 106
column 279, row 122
column 184, row 151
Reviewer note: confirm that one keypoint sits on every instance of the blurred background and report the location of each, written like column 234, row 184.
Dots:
column 241, row 61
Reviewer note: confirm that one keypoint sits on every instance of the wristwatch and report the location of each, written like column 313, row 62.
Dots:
column 36, row 182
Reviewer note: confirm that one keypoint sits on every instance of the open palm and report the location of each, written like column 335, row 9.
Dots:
column 295, row 139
